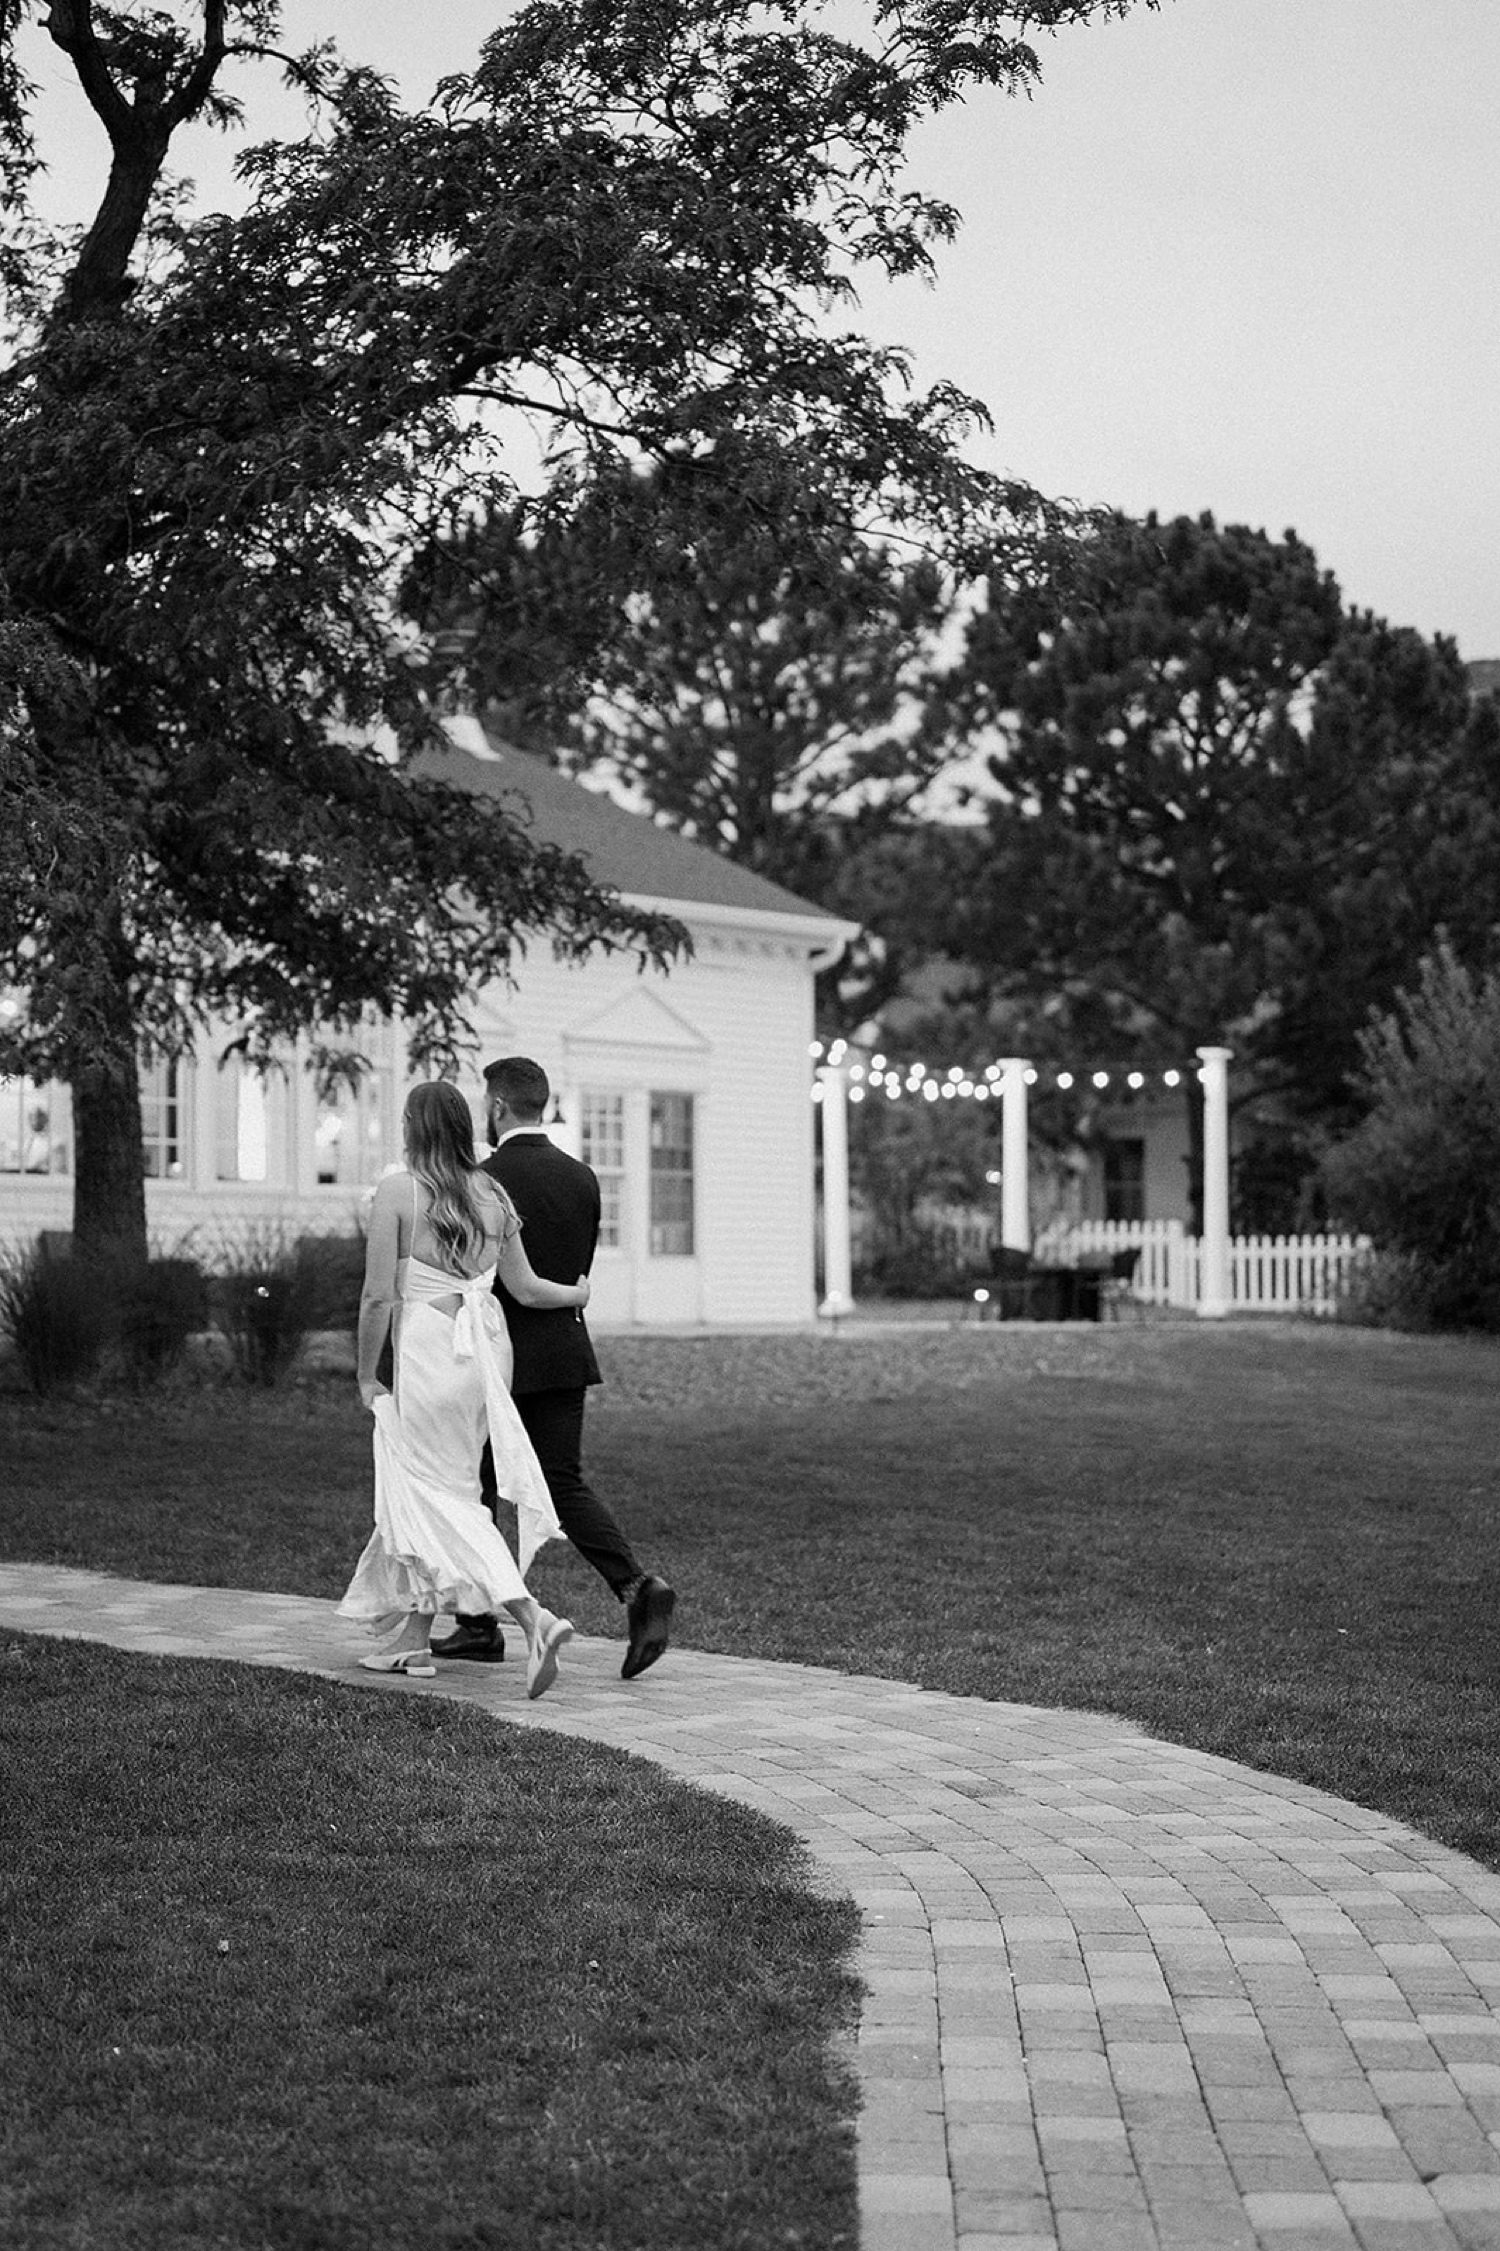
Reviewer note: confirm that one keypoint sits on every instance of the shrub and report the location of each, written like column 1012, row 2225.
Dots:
column 58, row 1315
column 1387, row 1290
column 1421, row 1174
column 161, row 1303
column 265, row 1300
column 336, row 1270
column 925, row 1260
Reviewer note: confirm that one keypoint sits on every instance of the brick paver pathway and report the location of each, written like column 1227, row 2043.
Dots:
column 1121, row 1995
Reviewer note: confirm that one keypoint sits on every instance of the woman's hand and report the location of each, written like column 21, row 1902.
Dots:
column 370, row 1391
column 583, row 1291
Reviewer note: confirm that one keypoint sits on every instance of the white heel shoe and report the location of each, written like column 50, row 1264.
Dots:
column 552, row 1634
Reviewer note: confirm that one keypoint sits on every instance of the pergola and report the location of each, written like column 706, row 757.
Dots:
column 1015, row 1177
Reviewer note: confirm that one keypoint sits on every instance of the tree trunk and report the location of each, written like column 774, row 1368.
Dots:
column 109, row 1178
column 99, row 283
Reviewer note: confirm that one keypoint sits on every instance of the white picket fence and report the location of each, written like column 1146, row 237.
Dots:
column 1267, row 1273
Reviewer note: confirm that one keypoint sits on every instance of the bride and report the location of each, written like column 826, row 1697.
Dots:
column 439, row 1233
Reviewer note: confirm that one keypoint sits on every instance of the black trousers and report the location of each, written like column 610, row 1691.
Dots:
column 553, row 1422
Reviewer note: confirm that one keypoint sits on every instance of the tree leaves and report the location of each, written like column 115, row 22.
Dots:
column 223, row 440
column 1222, row 807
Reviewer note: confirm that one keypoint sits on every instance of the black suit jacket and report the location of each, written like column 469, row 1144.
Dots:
column 558, row 1200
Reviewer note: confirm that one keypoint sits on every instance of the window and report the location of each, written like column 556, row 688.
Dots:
column 241, row 1122
column 31, row 1139
column 164, row 1121
column 1125, row 1179
column 349, row 1138
column 671, row 1176
column 602, row 1145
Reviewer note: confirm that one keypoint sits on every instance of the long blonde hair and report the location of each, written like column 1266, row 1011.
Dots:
column 440, row 1153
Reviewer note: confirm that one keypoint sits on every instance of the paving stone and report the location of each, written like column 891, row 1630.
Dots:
column 904, row 2231
column 1466, row 2192
column 1119, row 1993
column 1434, row 2087
column 1376, row 2234
column 1285, row 2209
column 1105, row 2231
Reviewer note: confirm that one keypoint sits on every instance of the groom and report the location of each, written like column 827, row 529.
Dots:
column 558, row 1200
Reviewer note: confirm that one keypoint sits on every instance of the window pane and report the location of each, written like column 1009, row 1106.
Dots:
column 31, row 1138
column 671, row 1176
column 242, row 1123
column 602, row 1145
column 164, row 1121
column 349, row 1138
column 1125, row 1179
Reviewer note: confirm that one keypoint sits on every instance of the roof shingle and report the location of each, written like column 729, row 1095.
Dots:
column 621, row 848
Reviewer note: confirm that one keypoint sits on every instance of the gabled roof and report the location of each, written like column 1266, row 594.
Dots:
column 623, row 849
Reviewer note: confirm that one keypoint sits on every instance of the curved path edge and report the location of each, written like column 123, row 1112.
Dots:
column 1121, row 1996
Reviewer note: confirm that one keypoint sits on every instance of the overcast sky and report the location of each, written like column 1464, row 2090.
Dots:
column 1238, row 255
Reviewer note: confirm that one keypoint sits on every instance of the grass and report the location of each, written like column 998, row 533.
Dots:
column 292, row 1967
column 1276, row 1542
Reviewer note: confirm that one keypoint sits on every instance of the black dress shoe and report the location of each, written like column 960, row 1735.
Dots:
column 650, row 1613
column 484, row 1643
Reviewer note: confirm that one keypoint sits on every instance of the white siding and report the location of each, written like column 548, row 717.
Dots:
column 731, row 1027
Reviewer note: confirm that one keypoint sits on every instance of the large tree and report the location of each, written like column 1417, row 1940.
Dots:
column 747, row 676
column 223, row 438
column 1220, row 807
column 755, row 677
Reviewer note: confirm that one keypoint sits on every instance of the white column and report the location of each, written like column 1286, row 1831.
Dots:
column 1214, row 1295
column 1015, row 1156
column 838, row 1275
column 203, row 1145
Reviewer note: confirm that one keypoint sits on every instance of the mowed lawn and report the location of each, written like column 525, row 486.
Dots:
column 288, row 1967
column 1280, row 1542
column 300, row 1966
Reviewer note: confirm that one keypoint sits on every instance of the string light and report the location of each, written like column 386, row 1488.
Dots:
column 877, row 1074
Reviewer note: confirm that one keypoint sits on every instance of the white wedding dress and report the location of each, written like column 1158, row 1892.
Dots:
column 435, row 1546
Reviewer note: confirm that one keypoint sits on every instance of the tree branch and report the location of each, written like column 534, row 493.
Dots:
column 70, row 25
column 194, row 90
column 560, row 412
column 293, row 65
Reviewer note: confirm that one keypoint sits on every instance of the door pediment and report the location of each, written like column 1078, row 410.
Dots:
column 635, row 1018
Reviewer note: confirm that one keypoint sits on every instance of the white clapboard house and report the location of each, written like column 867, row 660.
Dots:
column 687, row 1090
